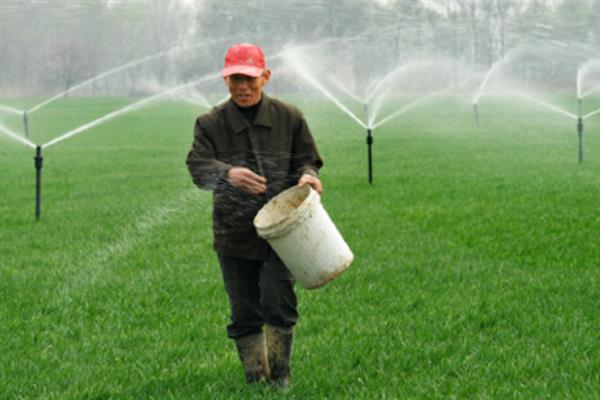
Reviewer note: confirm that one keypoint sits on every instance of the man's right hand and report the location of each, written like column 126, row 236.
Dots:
column 246, row 180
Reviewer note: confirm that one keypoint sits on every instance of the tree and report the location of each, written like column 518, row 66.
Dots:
column 65, row 65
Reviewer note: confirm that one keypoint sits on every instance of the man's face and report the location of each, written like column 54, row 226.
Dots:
column 246, row 91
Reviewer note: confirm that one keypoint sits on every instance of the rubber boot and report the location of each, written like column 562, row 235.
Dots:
column 252, row 353
column 279, row 345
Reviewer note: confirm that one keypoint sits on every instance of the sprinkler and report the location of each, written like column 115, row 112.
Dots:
column 476, row 111
column 580, row 131
column 38, row 163
column 26, row 124
column 580, row 134
column 369, row 144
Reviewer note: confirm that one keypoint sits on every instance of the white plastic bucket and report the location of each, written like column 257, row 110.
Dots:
column 303, row 235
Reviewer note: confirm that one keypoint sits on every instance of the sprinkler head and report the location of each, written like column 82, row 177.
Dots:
column 38, row 159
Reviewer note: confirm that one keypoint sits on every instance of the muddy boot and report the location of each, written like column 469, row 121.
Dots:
column 279, row 345
column 252, row 353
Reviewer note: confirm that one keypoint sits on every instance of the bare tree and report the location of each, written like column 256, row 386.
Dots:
column 65, row 65
column 471, row 8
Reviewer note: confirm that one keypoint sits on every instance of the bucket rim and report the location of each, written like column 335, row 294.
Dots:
column 282, row 226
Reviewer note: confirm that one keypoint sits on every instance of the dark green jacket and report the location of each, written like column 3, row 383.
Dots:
column 278, row 146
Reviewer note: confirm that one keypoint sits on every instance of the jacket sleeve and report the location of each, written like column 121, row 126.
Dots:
column 205, row 169
column 305, row 156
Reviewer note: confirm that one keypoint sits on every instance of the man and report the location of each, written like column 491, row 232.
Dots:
column 247, row 150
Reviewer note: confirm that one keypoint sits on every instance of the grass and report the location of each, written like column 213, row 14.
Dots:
column 476, row 268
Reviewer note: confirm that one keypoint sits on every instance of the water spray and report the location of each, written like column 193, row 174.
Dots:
column 482, row 87
column 38, row 163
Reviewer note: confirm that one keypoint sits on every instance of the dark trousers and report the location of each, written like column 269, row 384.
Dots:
column 260, row 292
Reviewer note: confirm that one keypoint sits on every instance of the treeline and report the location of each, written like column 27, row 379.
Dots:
column 48, row 46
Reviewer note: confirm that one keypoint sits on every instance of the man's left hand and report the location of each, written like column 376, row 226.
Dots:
column 314, row 182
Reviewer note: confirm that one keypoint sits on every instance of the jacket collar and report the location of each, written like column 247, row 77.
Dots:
column 239, row 123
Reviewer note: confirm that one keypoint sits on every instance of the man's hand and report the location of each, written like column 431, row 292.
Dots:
column 315, row 183
column 246, row 180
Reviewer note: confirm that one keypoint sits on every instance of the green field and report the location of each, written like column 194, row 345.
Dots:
column 476, row 272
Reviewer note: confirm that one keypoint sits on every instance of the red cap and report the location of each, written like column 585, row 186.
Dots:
column 245, row 59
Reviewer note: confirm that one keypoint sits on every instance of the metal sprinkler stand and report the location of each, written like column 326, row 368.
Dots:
column 38, row 163
column 26, row 124
column 580, row 134
column 580, row 131
column 476, row 110
column 369, row 144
